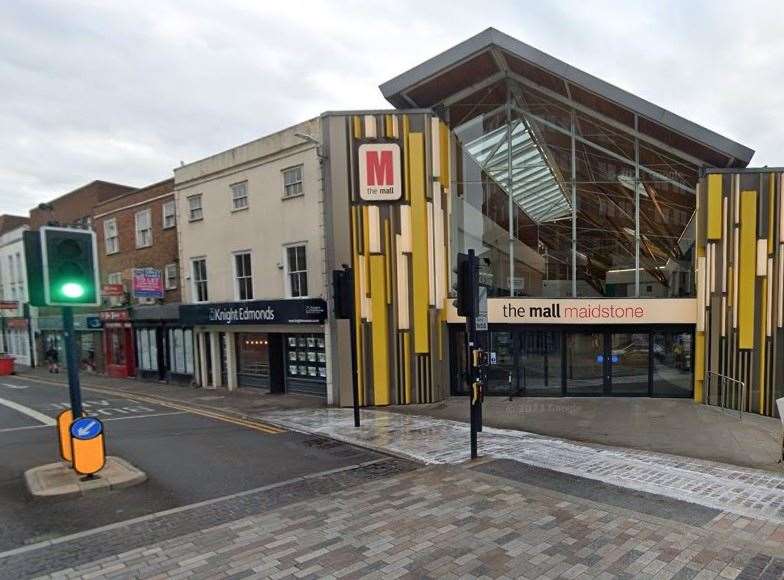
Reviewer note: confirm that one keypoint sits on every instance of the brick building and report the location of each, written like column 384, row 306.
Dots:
column 137, row 252
column 74, row 208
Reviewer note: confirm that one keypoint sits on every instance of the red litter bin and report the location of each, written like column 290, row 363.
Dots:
column 6, row 365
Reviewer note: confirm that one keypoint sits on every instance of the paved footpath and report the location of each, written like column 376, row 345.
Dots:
column 742, row 491
column 454, row 522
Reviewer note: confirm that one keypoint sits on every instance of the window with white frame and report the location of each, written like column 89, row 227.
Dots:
column 11, row 277
column 181, row 351
column 292, row 181
column 297, row 271
column 147, row 348
column 114, row 278
column 243, row 276
column 239, row 195
column 144, row 228
column 199, row 278
column 170, row 276
column 20, row 281
column 169, row 215
column 111, row 236
column 195, row 212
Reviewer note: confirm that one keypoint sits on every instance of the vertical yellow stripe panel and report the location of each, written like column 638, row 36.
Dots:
column 388, row 129
column 747, row 268
column 714, row 206
column 443, row 149
column 407, row 365
column 699, row 364
column 419, row 234
column 380, row 331
column 761, row 348
column 357, row 126
column 388, row 259
column 357, row 305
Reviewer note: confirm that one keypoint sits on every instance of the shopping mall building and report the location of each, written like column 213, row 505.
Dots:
column 626, row 250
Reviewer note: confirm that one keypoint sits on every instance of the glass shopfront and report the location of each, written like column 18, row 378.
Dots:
column 306, row 364
column 556, row 202
column 574, row 361
column 253, row 360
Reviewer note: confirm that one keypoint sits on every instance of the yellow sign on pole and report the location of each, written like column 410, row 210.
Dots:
column 87, row 445
column 64, row 421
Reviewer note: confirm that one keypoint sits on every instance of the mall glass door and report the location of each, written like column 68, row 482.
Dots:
column 539, row 363
column 586, row 371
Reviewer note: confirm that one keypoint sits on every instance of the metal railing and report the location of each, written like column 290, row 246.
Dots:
column 731, row 398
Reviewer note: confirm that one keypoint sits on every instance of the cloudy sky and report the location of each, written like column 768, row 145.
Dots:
column 123, row 91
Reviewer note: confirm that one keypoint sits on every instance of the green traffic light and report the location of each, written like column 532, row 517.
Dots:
column 73, row 290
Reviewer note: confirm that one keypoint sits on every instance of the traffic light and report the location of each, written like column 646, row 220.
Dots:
column 467, row 284
column 343, row 291
column 70, row 267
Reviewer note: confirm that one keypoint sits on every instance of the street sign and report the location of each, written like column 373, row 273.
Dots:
column 86, row 428
column 481, row 312
column 64, row 421
column 9, row 304
column 110, row 290
column 88, row 447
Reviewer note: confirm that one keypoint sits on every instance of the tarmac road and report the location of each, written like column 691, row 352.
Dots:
column 188, row 457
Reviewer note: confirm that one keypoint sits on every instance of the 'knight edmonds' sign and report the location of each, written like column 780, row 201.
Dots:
column 587, row 311
column 306, row 311
column 379, row 172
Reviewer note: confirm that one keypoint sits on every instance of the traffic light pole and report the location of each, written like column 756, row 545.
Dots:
column 72, row 361
column 354, row 361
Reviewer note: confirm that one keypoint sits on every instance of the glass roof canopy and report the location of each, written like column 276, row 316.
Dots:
column 534, row 186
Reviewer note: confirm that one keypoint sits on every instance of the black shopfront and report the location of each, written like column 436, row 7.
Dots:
column 278, row 345
column 582, row 360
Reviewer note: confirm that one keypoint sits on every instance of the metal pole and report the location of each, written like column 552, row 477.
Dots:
column 574, row 207
column 354, row 365
column 509, row 193
column 72, row 360
column 637, row 186
column 472, row 344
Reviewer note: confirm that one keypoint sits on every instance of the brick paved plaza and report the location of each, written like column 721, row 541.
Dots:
column 453, row 522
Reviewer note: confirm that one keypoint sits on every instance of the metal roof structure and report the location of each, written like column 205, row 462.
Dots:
column 489, row 58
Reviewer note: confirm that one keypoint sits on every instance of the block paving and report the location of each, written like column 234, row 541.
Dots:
column 454, row 522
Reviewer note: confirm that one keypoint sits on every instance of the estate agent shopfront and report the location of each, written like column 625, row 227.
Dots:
column 276, row 345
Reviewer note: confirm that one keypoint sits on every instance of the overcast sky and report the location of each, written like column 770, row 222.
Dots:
column 123, row 91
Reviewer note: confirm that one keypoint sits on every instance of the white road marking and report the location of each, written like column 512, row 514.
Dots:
column 149, row 416
column 10, row 386
column 45, row 419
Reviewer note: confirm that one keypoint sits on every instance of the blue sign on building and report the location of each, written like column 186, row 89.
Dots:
column 86, row 428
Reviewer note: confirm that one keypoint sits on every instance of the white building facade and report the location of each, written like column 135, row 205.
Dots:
column 252, row 264
column 16, row 326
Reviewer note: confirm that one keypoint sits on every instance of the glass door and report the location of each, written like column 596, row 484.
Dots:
column 500, row 372
column 630, row 363
column 539, row 363
column 586, row 363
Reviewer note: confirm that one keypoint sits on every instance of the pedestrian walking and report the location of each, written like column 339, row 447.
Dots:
column 53, row 359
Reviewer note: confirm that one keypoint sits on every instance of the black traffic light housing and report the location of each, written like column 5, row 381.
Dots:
column 68, row 271
column 467, row 284
column 343, row 292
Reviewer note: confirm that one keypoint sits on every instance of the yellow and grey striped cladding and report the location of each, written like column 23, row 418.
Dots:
column 400, row 254
column 742, row 248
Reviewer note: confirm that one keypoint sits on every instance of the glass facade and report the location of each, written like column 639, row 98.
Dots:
column 558, row 200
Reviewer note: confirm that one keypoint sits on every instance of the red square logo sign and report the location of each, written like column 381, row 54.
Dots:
column 379, row 172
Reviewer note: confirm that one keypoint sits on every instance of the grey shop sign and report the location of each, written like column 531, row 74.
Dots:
column 296, row 311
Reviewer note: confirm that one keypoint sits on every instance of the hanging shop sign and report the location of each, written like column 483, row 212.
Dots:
column 9, row 304
column 379, row 172
column 305, row 311
column 147, row 283
column 587, row 311
column 110, row 290
column 114, row 315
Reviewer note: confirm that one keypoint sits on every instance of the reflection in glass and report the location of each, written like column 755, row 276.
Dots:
column 672, row 367
column 540, row 363
column 585, row 363
column 629, row 363
column 499, row 374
